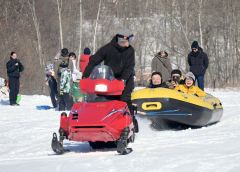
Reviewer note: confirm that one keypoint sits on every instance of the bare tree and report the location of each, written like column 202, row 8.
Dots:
column 59, row 5
column 36, row 24
column 95, row 30
column 200, row 22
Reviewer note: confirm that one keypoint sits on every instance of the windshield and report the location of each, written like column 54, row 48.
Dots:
column 102, row 72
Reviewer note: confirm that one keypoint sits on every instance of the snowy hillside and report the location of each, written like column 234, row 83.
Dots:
column 26, row 137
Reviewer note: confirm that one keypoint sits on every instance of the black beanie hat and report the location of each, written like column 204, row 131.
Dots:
column 195, row 45
column 64, row 52
column 87, row 51
column 176, row 71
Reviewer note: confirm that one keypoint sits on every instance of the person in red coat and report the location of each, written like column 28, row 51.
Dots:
column 84, row 59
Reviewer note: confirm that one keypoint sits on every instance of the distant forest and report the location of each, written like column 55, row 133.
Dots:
column 38, row 29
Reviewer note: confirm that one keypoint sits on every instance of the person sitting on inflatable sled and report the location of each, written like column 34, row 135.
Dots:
column 189, row 86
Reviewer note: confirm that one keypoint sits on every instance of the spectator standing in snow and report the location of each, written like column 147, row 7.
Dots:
column 52, row 83
column 120, row 56
column 161, row 63
column 84, row 59
column 198, row 62
column 14, row 68
column 76, row 76
column 61, row 60
column 65, row 102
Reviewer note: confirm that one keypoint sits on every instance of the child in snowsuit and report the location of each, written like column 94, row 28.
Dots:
column 65, row 102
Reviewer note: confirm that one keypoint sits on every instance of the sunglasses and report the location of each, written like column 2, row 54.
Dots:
column 194, row 49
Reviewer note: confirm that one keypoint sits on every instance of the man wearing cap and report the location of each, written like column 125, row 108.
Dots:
column 176, row 79
column 198, row 62
column 120, row 56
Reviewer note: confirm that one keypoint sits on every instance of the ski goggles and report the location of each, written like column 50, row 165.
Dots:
column 127, row 38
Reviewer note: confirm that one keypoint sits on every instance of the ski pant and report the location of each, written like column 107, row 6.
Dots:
column 13, row 89
column 129, row 86
column 65, row 102
column 200, row 81
column 52, row 83
column 126, row 97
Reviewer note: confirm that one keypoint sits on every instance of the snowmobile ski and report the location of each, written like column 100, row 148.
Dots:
column 57, row 146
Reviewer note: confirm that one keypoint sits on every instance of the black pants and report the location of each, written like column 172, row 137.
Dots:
column 65, row 102
column 14, row 89
column 52, row 83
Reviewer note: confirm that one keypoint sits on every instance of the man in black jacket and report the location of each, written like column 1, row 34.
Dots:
column 198, row 62
column 120, row 56
column 14, row 67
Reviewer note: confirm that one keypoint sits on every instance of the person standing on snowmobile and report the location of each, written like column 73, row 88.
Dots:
column 120, row 56
column 14, row 68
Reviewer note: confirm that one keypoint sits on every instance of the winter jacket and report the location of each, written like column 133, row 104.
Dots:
column 198, row 62
column 65, row 80
column 76, row 75
column 84, row 60
column 194, row 90
column 162, row 65
column 170, row 83
column 162, row 85
column 120, row 59
column 14, row 70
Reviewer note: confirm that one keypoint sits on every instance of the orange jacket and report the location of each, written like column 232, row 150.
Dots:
column 194, row 90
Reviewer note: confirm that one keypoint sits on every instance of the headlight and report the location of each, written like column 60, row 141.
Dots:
column 101, row 88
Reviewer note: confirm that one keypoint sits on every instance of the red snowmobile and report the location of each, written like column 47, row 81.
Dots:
column 101, row 119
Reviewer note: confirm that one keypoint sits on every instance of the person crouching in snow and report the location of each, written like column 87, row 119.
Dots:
column 76, row 76
column 65, row 102
column 189, row 86
column 156, row 81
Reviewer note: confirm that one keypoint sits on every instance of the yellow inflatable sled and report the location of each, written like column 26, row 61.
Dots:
column 170, row 108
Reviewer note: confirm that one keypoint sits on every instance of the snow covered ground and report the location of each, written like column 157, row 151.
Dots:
column 25, row 138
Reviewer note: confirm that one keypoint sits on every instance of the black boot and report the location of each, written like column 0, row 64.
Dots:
column 133, row 111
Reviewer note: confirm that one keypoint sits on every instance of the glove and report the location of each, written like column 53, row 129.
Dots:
column 61, row 93
column 124, row 81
